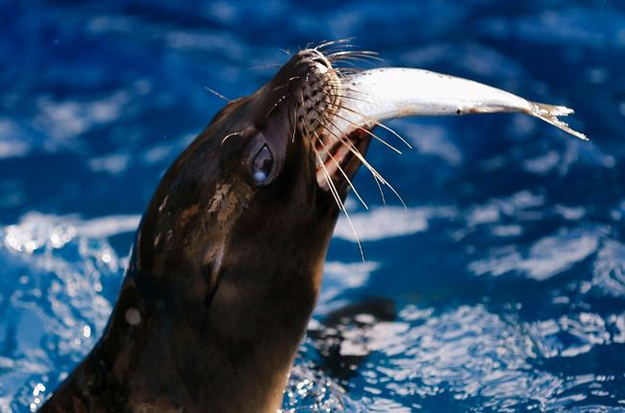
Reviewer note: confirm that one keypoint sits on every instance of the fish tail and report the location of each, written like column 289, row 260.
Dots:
column 550, row 113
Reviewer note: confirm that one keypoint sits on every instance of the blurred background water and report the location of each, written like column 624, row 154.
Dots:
column 501, row 288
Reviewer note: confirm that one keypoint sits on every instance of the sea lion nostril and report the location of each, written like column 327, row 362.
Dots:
column 321, row 61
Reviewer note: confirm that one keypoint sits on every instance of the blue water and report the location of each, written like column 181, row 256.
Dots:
column 501, row 288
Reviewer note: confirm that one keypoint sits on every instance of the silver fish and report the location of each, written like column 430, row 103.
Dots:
column 372, row 96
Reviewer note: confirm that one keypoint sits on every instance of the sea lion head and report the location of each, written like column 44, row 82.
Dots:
column 265, row 179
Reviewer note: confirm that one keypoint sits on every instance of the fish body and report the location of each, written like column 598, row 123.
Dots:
column 388, row 93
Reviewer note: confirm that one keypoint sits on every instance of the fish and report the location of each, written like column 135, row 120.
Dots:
column 381, row 94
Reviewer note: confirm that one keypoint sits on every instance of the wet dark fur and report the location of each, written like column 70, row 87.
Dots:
column 223, row 280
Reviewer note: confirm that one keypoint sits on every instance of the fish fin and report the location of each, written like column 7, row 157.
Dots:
column 550, row 113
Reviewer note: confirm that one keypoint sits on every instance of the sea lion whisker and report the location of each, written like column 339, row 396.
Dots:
column 350, row 98
column 343, row 72
column 353, row 63
column 338, row 166
column 294, row 122
column 338, row 48
column 286, row 84
column 229, row 136
column 362, row 92
column 347, row 142
column 219, row 95
column 283, row 96
column 337, row 197
column 377, row 182
column 355, row 54
column 355, row 152
column 369, row 53
column 377, row 177
column 373, row 171
column 392, row 188
column 275, row 105
column 346, row 47
column 351, row 224
column 362, row 56
column 346, row 62
column 267, row 66
column 326, row 43
column 348, row 89
column 342, row 207
column 345, row 59
column 351, row 146
column 331, row 185
column 364, row 129
column 367, row 118
column 368, row 132
column 355, row 57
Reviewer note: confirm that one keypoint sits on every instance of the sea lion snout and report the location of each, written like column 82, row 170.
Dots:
column 320, row 93
column 308, row 92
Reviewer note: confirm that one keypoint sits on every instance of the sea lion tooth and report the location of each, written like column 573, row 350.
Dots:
column 388, row 93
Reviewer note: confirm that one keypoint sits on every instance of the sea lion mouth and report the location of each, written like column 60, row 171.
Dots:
column 338, row 158
column 318, row 102
column 322, row 102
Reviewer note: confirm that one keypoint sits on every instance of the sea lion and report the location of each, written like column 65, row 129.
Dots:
column 228, row 258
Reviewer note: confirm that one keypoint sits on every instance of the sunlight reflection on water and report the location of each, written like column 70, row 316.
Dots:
column 501, row 288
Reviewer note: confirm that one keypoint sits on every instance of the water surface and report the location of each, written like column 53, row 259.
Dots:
column 501, row 288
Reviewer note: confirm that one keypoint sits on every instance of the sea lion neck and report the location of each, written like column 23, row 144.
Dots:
column 211, row 346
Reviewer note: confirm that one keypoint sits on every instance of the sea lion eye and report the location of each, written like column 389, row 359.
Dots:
column 262, row 166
